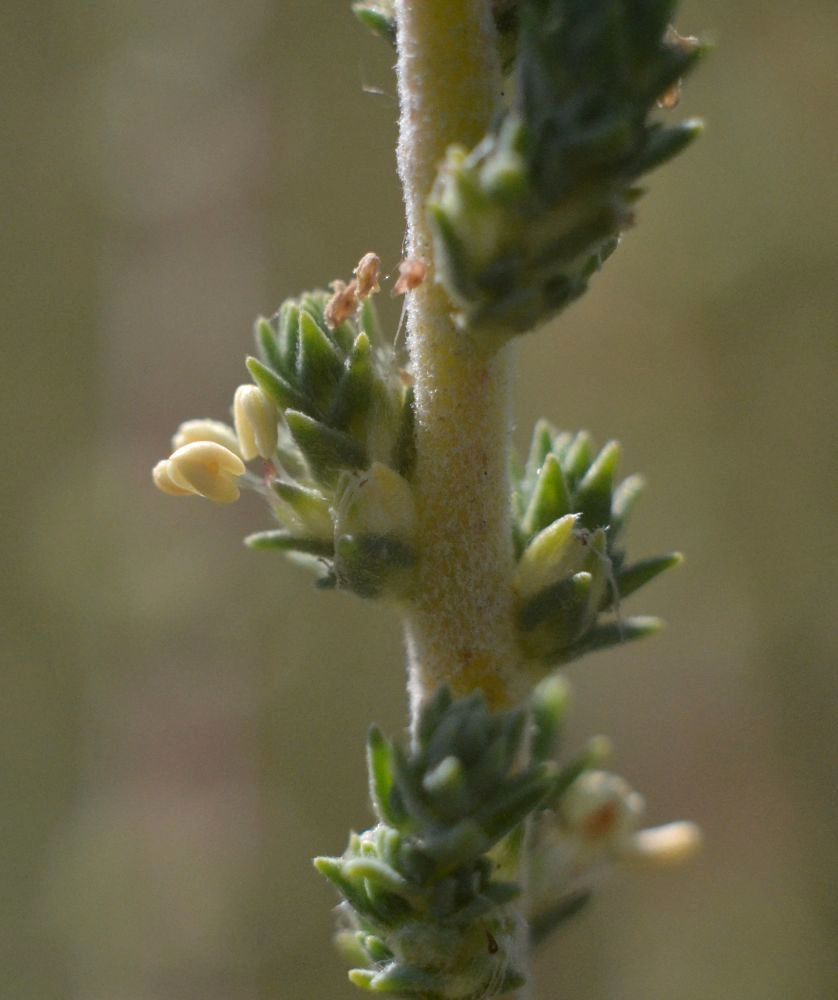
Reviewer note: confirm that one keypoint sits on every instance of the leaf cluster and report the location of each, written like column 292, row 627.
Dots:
column 426, row 905
column 525, row 219
column 343, row 409
column 570, row 515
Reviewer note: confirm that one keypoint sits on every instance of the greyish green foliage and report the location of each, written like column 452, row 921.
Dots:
column 522, row 221
column 570, row 517
column 426, row 898
column 430, row 899
column 344, row 408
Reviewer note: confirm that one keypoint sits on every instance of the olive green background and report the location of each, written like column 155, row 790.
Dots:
column 183, row 720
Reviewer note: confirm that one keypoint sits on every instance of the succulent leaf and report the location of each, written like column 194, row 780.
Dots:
column 523, row 221
column 569, row 517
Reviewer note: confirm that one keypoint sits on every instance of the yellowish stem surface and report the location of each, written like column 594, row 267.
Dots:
column 460, row 628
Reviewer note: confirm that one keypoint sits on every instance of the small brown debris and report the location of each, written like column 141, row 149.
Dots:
column 412, row 272
column 687, row 44
column 366, row 275
column 342, row 304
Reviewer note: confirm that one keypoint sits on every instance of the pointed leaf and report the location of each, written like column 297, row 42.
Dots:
column 277, row 388
column 378, row 873
column 638, row 574
column 605, row 636
column 326, row 450
column 289, row 336
column 516, row 801
column 285, row 541
column 371, row 565
column 354, row 394
column 625, row 497
column 431, row 713
column 380, row 767
column 406, row 980
column 354, row 893
column 593, row 494
column 319, row 365
column 266, row 341
column 548, row 920
column 578, row 458
column 662, row 144
column 404, row 451
column 550, row 498
column 549, row 703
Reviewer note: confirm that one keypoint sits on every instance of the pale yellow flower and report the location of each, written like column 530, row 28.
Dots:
column 208, row 469
column 256, row 418
column 665, row 846
column 206, row 430
column 163, row 481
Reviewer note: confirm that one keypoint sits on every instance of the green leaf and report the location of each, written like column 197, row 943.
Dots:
column 288, row 336
column 431, row 713
column 551, row 918
column 605, row 636
column 404, row 451
column 326, row 450
column 354, row 394
column 309, row 505
column 457, row 845
column 622, row 504
column 371, row 565
column 662, row 144
column 319, row 365
column 447, row 787
column 540, row 446
column 516, row 800
column 354, row 893
column 284, row 541
column 376, row 948
column 277, row 388
column 408, row 781
column 638, row 574
column 378, row 873
column 378, row 18
column 550, row 499
column 578, row 458
column 380, row 767
column 268, row 345
column 548, row 704
column 404, row 980
column 593, row 494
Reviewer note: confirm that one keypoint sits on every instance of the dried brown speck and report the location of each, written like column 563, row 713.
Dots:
column 342, row 304
column 686, row 43
column 412, row 272
column 366, row 275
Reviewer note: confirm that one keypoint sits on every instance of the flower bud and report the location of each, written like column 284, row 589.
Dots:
column 379, row 502
column 665, row 846
column 206, row 430
column 208, row 469
column 554, row 553
column 163, row 481
column 601, row 810
column 256, row 422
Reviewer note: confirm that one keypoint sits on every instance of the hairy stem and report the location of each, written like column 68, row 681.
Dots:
column 460, row 628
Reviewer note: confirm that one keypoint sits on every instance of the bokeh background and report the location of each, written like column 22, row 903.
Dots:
column 182, row 720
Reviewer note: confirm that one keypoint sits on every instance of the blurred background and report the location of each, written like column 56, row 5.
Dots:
column 183, row 720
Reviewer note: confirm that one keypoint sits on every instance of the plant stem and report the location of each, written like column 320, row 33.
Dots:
column 460, row 627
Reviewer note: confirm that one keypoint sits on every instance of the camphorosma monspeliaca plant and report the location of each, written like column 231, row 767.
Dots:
column 526, row 127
